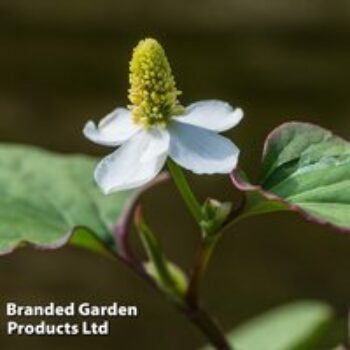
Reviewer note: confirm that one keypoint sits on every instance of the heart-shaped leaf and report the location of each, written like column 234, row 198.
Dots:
column 296, row 326
column 45, row 198
column 305, row 168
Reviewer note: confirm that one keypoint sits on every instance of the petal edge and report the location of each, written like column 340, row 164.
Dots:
column 113, row 130
column 213, row 115
column 201, row 151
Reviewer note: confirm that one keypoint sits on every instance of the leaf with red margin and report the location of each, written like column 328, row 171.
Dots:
column 305, row 168
column 48, row 200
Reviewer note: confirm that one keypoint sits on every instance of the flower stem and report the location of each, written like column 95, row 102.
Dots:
column 208, row 326
column 199, row 267
column 204, row 253
column 185, row 190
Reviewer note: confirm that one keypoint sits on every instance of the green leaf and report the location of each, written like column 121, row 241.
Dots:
column 47, row 199
column 305, row 168
column 296, row 326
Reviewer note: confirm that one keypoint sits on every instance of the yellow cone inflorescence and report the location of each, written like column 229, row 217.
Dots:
column 153, row 94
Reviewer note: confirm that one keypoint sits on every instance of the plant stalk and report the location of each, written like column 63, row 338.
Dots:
column 185, row 191
column 199, row 267
column 208, row 326
column 191, row 307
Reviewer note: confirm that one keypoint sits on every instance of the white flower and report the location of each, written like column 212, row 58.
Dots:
column 190, row 139
column 156, row 126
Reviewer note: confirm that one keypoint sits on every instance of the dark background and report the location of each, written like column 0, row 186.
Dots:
column 63, row 62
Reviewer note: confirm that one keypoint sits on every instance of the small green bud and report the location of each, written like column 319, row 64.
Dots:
column 215, row 213
column 153, row 94
column 178, row 284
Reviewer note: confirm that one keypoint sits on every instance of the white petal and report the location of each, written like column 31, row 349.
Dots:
column 113, row 130
column 160, row 140
column 213, row 115
column 201, row 150
column 135, row 163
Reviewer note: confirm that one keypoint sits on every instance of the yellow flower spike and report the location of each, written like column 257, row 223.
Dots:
column 152, row 92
